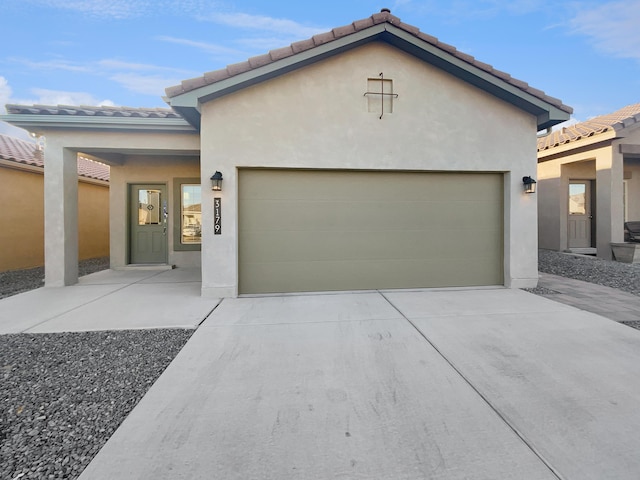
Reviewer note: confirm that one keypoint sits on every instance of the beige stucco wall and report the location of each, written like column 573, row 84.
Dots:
column 22, row 219
column 318, row 117
column 148, row 170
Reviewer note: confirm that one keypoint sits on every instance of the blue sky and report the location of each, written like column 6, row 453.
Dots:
column 125, row 52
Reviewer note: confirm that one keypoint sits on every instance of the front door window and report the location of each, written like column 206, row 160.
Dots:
column 149, row 207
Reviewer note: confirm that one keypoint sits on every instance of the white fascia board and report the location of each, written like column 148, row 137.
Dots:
column 80, row 122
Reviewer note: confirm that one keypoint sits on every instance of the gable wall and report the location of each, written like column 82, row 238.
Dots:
column 317, row 117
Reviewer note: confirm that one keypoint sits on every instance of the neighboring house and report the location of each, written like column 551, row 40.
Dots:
column 372, row 156
column 22, row 197
column 589, row 183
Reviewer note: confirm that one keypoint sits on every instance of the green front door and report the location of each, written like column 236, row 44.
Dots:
column 149, row 216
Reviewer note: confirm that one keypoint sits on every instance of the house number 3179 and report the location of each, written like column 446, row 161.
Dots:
column 217, row 216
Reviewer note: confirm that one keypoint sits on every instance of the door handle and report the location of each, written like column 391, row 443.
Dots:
column 165, row 214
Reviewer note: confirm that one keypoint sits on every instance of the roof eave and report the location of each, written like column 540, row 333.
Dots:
column 188, row 103
column 82, row 122
column 547, row 115
column 585, row 142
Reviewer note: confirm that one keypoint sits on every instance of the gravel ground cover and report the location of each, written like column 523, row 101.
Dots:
column 622, row 276
column 18, row 281
column 63, row 395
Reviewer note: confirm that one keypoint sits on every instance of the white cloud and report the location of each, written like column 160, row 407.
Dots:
column 5, row 93
column 612, row 26
column 101, row 8
column 145, row 84
column 123, row 9
column 265, row 24
column 469, row 9
column 6, row 129
column 56, row 64
column 142, row 78
column 61, row 97
column 206, row 47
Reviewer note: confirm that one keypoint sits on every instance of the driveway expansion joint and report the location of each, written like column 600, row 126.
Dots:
column 484, row 398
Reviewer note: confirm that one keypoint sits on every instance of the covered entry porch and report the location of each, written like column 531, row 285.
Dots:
column 152, row 153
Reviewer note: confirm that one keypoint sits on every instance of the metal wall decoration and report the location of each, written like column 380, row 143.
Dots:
column 382, row 94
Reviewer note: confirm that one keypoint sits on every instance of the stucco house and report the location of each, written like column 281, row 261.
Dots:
column 22, row 197
column 372, row 156
column 589, row 183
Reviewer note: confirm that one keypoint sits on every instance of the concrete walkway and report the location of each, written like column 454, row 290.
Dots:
column 608, row 302
column 110, row 300
column 456, row 384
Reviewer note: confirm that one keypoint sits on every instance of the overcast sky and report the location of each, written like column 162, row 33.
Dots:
column 125, row 52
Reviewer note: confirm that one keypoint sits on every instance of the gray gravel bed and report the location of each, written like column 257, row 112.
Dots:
column 622, row 276
column 63, row 395
column 18, row 281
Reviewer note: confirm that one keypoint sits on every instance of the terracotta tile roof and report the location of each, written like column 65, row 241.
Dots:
column 89, row 169
column 379, row 18
column 617, row 120
column 15, row 150
column 92, row 111
column 19, row 151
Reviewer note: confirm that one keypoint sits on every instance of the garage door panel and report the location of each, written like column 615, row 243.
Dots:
column 346, row 185
column 296, row 277
column 372, row 216
column 316, row 246
column 315, row 231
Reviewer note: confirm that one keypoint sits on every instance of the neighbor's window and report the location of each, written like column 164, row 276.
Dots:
column 190, row 214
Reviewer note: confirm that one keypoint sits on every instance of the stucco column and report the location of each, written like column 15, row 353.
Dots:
column 521, row 233
column 60, row 216
column 609, row 179
column 219, row 251
column 552, row 227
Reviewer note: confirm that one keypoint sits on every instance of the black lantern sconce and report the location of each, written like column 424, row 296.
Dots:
column 529, row 185
column 216, row 182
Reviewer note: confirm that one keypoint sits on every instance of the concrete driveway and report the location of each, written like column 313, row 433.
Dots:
column 454, row 384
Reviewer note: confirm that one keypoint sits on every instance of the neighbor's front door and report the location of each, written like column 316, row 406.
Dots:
column 580, row 214
column 149, row 216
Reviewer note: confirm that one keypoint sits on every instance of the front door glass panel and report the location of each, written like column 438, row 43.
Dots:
column 149, row 207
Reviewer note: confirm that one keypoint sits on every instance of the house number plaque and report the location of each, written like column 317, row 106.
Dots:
column 217, row 216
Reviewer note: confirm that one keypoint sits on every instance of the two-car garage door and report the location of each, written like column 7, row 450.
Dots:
column 309, row 230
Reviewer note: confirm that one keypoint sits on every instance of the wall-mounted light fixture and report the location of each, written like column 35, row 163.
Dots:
column 216, row 182
column 529, row 185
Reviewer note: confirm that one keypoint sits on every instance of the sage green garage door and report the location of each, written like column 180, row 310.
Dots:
column 303, row 231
